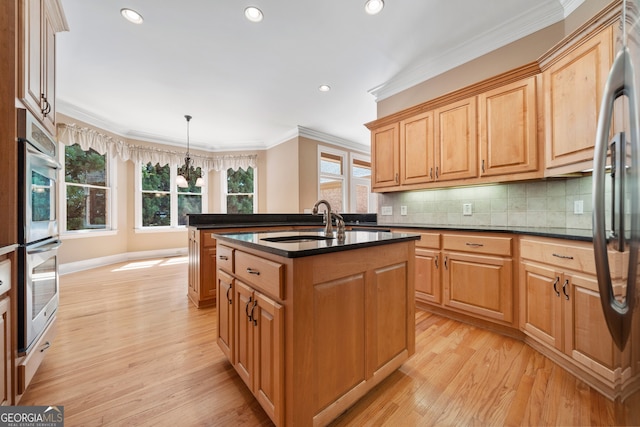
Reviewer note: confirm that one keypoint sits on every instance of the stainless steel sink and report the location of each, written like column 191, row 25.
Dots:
column 296, row 239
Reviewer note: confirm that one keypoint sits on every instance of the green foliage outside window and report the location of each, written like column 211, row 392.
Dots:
column 156, row 198
column 240, row 191
column 87, row 190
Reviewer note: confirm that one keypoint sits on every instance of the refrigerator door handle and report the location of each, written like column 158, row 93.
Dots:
column 617, row 312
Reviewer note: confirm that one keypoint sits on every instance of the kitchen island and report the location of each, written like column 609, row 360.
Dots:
column 312, row 324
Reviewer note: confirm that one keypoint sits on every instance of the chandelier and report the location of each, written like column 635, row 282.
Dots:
column 184, row 171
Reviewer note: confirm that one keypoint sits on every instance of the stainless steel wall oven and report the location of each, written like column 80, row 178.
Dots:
column 38, row 280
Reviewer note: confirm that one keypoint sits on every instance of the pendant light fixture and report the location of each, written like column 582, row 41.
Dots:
column 185, row 170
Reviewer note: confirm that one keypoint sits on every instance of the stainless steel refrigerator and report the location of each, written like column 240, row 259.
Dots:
column 616, row 180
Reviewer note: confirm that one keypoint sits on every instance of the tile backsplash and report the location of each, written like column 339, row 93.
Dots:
column 544, row 203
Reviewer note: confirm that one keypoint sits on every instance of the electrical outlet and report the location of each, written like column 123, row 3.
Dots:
column 466, row 209
column 403, row 210
column 578, row 207
column 387, row 210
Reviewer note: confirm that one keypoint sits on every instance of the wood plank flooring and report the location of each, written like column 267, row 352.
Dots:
column 131, row 350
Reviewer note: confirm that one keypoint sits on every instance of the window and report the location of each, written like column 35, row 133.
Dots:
column 362, row 199
column 162, row 202
column 239, row 190
column 87, row 190
column 332, row 178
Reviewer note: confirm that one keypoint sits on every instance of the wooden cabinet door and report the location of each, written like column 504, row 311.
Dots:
column 208, row 275
column 49, row 69
column 587, row 338
column 456, row 140
column 225, row 313
column 385, row 157
column 427, row 266
column 268, row 350
column 541, row 306
column 243, row 343
column 31, row 84
column 479, row 284
column 193, row 274
column 416, row 149
column 6, row 359
column 508, row 129
column 573, row 89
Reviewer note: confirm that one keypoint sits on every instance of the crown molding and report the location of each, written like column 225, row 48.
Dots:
column 74, row 112
column 520, row 26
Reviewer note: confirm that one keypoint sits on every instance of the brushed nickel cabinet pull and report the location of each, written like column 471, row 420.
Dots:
column 564, row 289
column 45, row 346
column 483, row 166
column 223, row 257
column 445, row 263
column 474, row 245
column 554, row 286
column 431, row 173
column 253, row 271
column 436, row 261
column 228, row 297
column 562, row 256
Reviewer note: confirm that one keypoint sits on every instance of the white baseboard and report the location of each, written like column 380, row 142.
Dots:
column 72, row 267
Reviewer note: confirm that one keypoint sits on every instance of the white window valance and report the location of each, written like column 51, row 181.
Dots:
column 70, row 134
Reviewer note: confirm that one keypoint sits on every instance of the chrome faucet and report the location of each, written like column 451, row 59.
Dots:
column 328, row 216
column 328, row 227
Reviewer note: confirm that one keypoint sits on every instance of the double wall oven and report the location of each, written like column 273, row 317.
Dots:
column 38, row 280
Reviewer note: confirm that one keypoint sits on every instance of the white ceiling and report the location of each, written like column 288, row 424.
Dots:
column 253, row 85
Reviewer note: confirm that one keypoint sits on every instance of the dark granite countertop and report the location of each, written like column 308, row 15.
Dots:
column 221, row 221
column 297, row 249
column 555, row 232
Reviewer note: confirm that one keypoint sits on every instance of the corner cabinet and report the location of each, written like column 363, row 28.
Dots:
column 561, row 314
column 573, row 83
column 39, row 21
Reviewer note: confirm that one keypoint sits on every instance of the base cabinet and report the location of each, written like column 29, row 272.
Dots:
column 6, row 347
column 561, row 311
column 202, row 268
column 311, row 335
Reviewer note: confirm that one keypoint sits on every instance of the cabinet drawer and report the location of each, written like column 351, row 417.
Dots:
column 429, row 240
column 573, row 256
column 224, row 258
column 208, row 239
column 27, row 369
column 260, row 273
column 477, row 244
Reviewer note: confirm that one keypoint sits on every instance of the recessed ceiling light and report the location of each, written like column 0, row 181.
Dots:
column 131, row 15
column 324, row 88
column 253, row 14
column 373, row 7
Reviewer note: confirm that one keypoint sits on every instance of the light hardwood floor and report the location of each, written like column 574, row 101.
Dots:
column 131, row 350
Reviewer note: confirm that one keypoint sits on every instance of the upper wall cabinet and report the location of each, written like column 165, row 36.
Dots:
column 417, row 151
column 456, row 140
column 573, row 87
column 385, row 157
column 39, row 21
column 508, row 129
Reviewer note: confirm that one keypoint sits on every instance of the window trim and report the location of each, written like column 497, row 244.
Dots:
column 173, row 199
column 344, row 177
column 224, row 194
column 112, row 208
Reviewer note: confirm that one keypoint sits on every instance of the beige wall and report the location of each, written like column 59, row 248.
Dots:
column 513, row 55
column 126, row 239
column 281, row 183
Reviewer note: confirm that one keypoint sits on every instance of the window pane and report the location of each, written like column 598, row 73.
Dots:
column 240, row 204
column 240, row 181
column 84, row 167
column 194, row 174
column 361, row 171
column 331, row 191
column 86, row 208
column 156, row 209
column 188, row 203
column 156, row 177
column 362, row 198
column 330, row 164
